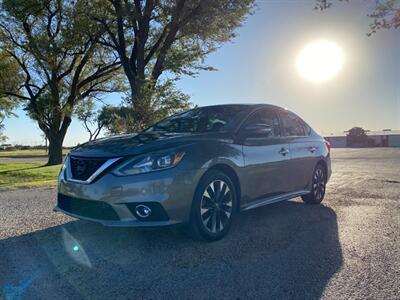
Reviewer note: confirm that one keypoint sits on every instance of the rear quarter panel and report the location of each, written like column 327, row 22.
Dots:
column 304, row 161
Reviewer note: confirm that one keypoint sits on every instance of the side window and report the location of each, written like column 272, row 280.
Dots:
column 292, row 125
column 262, row 123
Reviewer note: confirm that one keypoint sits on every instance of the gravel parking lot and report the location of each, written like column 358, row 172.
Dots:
column 347, row 248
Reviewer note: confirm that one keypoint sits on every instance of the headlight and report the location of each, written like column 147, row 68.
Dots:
column 149, row 163
column 65, row 163
column 64, row 166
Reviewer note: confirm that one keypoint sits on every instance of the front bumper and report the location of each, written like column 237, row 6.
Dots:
column 111, row 200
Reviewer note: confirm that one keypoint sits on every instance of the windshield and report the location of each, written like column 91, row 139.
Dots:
column 206, row 119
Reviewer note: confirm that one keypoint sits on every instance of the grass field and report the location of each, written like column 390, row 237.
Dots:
column 26, row 153
column 27, row 175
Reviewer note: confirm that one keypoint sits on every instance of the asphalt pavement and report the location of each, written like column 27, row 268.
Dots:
column 347, row 248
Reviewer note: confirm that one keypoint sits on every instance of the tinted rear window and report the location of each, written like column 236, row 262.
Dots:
column 292, row 125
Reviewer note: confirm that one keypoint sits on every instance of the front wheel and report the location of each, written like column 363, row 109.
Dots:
column 213, row 207
column 318, row 186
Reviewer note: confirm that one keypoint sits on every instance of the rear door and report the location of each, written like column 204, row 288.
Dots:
column 303, row 149
column 265, row 156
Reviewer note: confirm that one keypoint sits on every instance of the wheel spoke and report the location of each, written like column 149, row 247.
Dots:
column 226, row 197
column 210, row 192
column 218, row 221
column 207, row 215
column 226, row 207
column 221, row 224
column 205, row 212
column 227, row 214
column 214, row 221
column 206, row 194
column 318, row 184
column 216, row 206
column 224, row 189
column 218, row 189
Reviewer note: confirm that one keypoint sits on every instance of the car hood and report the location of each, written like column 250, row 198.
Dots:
column 135, row 144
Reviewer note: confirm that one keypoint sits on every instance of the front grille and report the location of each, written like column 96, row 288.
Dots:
column 87, row 208
column 83, row 168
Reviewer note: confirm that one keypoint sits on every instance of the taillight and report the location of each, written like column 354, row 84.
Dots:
column 328, row 146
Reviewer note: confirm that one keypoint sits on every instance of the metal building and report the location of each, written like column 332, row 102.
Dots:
column 383, row 138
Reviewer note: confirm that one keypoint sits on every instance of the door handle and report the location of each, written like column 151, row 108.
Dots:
column 312, row 149
column 284, row 151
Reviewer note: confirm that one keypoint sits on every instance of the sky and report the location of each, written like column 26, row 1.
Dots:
column 259, row 66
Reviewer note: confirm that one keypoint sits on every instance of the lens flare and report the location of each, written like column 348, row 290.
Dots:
column 320, row 61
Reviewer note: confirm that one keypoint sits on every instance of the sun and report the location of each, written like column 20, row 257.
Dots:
column 320, row 61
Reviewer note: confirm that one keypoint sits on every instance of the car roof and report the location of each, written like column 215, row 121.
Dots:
column 247, row 105
column 247, row 109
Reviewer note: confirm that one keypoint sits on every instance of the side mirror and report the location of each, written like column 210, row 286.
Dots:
column 258, row 130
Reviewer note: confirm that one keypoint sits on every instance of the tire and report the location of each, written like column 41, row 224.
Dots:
column 318, row 186
column 212, row 213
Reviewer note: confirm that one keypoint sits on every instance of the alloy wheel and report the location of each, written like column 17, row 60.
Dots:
column 319, row 184
column 216, row 206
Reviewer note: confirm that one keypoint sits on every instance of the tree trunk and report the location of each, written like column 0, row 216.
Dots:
column 55, row 135
column 55, row 149
column 141, row 93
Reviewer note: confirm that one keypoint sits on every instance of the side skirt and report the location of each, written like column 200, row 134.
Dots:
column 270, row 200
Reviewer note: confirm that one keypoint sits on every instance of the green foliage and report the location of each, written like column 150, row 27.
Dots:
column 86, row 111
column 61, row 53
column 93, row 120
column 385, row 14
column 357, row 137
column 165, row 101
column 53, row 45
column 118, row 119
column 9, row 80
column 156, row 37
column 168, row 100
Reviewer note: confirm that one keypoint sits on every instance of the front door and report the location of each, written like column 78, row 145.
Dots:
column 265, row 156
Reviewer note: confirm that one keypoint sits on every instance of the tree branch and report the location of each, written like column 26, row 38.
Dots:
column 169, row 40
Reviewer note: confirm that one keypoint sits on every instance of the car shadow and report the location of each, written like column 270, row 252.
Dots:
column 287, row 250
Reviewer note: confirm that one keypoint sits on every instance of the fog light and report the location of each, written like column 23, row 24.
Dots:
column 143, row 211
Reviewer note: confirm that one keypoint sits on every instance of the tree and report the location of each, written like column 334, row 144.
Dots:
column 91, row 118
column 385, row 14
column 55, row 48
column 4, row 112
column 9, row 79
column 155, row 37
column 357, row 137
column 6, row 108
column 166, row 100
column 117, row 119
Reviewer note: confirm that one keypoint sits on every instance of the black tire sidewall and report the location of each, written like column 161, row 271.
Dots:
column 310, row 198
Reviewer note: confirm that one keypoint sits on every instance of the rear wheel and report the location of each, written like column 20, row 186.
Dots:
column 318, row 186
column 213, row 207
